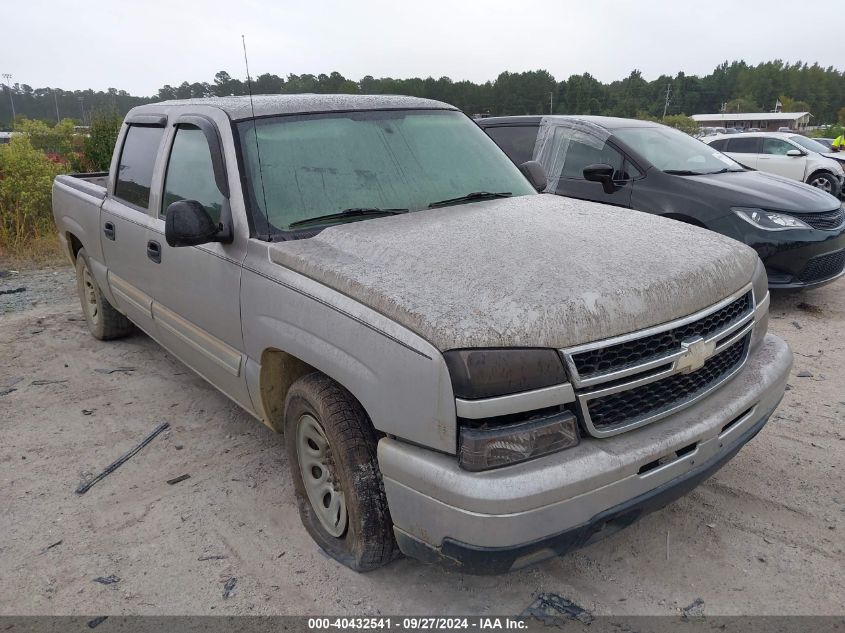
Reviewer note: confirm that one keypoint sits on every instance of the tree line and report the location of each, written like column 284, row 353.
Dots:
column 736, row 86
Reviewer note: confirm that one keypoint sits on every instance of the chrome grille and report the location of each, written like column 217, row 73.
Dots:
column 826, row 220
column 639, row 350
column 628, row 381
column 657, row 397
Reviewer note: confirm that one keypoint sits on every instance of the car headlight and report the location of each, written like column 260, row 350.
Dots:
column 486, row 373
column 769, row 220
column 760, row 286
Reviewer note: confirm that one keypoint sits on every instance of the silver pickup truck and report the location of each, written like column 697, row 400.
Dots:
column 464, row 370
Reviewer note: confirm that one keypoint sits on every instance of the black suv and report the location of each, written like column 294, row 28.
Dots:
column 798, row 231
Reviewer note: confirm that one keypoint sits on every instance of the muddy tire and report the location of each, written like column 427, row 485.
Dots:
column 104, row 322
column 331, row 448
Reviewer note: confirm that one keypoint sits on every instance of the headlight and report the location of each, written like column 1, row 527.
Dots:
column 769, row 220
column 760, row 285
column 486, row 448
column 486, row 373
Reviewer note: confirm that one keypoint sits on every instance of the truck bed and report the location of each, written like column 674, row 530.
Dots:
column 92, row 183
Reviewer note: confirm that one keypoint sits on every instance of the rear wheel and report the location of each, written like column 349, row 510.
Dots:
column 104, row 322
column 331, row 448
column 825, row 182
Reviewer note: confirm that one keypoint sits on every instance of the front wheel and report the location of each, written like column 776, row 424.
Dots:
column 823, row 181
column 331, row 447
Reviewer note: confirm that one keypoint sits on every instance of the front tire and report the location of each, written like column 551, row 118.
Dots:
column 104, row 322
column 825, row 182
column 331, row 447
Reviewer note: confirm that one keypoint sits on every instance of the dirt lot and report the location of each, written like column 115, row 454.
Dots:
column 764, row 536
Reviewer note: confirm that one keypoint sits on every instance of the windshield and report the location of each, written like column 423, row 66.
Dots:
column 319, row 165
column 673, row 151
column 808, row 143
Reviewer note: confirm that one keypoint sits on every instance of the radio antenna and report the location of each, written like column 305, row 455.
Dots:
column 255, row 134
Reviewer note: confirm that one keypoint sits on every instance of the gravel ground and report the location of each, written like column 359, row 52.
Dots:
column 763, row 536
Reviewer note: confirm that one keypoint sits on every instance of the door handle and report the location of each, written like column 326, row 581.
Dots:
column 154, row 251
column 108, row 230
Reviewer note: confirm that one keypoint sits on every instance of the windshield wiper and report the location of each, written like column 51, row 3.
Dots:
column 475, row 195
column 683, row 172
column 355, row 212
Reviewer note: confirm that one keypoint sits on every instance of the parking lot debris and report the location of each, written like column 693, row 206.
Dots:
column 93, row 624
column 52, row 545
column 549, row 607
column 5, row 391
column 176, row 480
column 122, row 370
column 111, row 579
column 212, row 557
column 695, row 610
column 229, row 587
column 40, row 383
column 804, row 374
column 86, row 486
column 797, row 325
column 12, row 291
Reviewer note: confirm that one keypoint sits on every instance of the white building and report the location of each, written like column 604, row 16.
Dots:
column 766, row 121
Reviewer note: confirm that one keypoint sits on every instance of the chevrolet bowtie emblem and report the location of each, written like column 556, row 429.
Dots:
column 696, row 351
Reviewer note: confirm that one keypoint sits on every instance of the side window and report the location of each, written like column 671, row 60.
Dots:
column 776, row 146
column 137, row 159
column 586, row 150
column 516, row 141
column 748, row 145
column 719, row 144
column 190, row 174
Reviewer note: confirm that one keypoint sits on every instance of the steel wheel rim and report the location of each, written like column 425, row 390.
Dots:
column 318, row 475
column 823, row 184
column 89, row 296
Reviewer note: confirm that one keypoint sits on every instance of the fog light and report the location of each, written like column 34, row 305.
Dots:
column 483, row 449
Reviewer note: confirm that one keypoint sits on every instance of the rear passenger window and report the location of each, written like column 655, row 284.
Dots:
column 137, row 160
column 517, row 141
column 719, row 144
column 190, row 173
column 744, row 145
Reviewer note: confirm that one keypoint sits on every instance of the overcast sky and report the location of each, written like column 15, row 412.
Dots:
column 145, row 44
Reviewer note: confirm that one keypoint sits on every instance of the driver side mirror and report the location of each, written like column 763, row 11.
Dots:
column 535, row 173
column 795, row 152
column 602, row 173
column 187, row 223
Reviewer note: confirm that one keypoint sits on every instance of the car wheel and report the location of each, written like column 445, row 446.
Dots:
column 104, row 322
column 331, row 447
column 823, row 181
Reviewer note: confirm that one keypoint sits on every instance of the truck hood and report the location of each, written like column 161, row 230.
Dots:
column 759, row 189
column 531, row 271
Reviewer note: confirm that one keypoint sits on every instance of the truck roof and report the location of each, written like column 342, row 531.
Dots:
column 238, row 108
column 606, row 122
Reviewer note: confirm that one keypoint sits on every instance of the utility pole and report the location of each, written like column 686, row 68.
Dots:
column 668, row 98
column 8, row 78
column 56, row 101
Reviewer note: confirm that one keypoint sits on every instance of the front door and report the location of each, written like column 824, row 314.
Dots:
column 565, row 152
column 197, row 288
column 774, row 160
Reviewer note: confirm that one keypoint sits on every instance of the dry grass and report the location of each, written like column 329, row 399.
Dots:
column 39, row 252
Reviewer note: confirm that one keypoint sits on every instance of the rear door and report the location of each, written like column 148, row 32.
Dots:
column 197, row 288
column 566, row 152
column 745, row 150
column 125, row 219
column 774, row 160
column 517, row 141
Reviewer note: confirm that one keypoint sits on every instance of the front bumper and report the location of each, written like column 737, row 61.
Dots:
column 502, row 519
column 792, row 258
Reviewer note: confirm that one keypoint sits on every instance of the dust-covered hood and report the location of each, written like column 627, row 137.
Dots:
column 531, row 271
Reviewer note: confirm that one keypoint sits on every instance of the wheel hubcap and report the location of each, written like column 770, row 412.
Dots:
column 822, row 183
column 89, row 298
column 318, row 474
